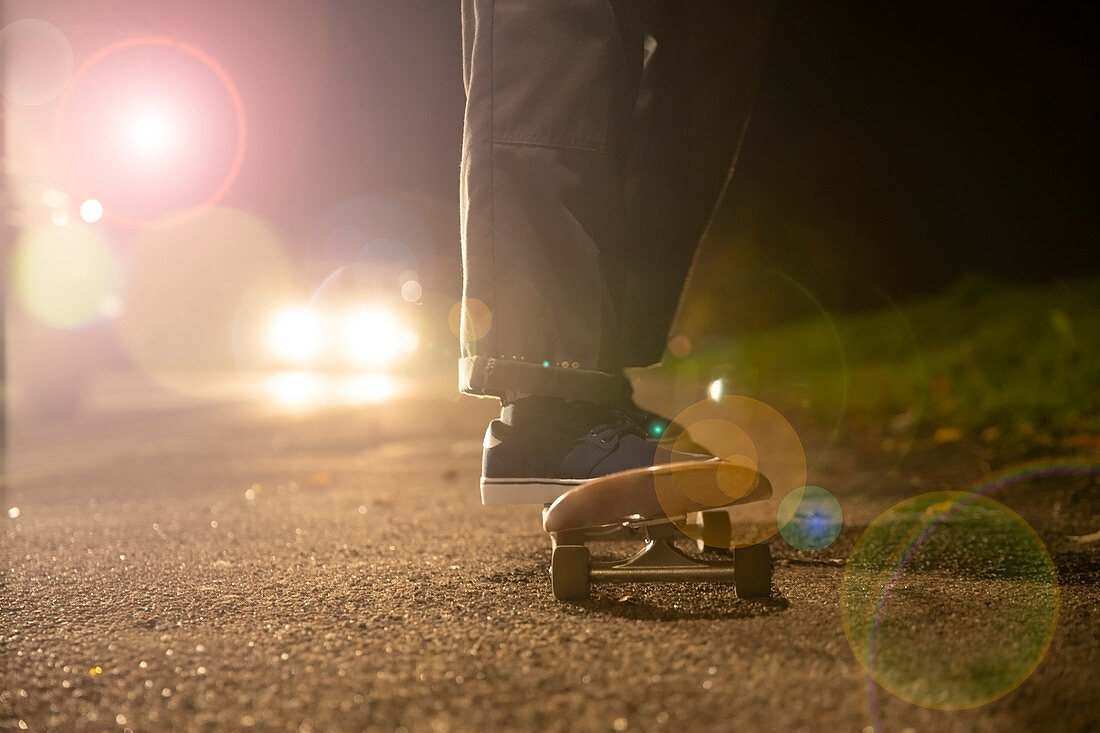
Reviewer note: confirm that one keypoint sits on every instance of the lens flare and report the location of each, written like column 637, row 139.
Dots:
column 949, row 548
column 716, row 389
column 199, row 298
column 66, row 276
column 91, row 211
column 1022, row 473
column 344, row 242
column 38, row 61
column 411, row 291
column 810, row 518
column 381, row 239
column 132, row 108
column 382, row 266
column 759, row 447
column 150, row 131
column 680, row 346
column 804, row 374
column 470, row 320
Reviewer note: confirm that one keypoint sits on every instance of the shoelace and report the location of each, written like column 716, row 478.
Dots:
column 651, row 426
column 621, row 422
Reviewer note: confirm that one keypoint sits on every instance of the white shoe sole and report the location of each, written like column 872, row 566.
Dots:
column 525, row 490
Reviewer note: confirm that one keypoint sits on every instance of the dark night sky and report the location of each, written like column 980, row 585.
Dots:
column 910, row 142
column 895, row 144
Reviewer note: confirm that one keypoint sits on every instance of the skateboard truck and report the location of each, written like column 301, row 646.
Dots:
column 654, row 504
column 572, row 571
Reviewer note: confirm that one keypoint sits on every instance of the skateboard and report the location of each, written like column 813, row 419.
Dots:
column 658, row 505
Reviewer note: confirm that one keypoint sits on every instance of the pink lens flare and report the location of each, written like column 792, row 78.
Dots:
column 151, row 138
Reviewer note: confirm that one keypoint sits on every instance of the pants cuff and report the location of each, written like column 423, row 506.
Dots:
column 486, row 375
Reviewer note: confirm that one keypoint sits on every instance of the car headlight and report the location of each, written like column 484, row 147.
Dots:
column 373, row 337
column 295, row 334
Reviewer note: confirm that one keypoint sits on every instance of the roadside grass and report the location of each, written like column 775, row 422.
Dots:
column 1008, row 363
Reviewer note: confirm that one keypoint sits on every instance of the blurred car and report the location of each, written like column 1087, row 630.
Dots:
column 341, row 328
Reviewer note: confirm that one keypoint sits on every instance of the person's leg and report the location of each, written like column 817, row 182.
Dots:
column 657, row 190
column 701, row 71
column 551, row 86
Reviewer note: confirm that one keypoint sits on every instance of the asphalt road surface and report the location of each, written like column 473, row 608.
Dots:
column 237, row 566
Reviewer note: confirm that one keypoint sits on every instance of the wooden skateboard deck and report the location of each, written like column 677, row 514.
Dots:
column 655, row 492
column 653, row 504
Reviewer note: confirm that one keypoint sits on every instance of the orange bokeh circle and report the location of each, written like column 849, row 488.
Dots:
column 755, row 441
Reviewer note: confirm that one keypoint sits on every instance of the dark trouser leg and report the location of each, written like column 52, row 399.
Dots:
column 551, row 86
column 697, row 93
column 663, row 240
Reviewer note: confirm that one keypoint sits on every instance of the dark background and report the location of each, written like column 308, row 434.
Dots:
column 905, row 144
column 895, row 145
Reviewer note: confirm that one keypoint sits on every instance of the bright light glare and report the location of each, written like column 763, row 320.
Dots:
column 150, row 132
column 296, row 390
column 302, row 390
column 91, row 211
column 295, row 334
column 716, row 390
column 374, row 338
column 368, row 388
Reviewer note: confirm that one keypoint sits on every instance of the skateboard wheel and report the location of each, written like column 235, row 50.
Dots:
column 569, row 572
column 752, row 571
column 716, row 533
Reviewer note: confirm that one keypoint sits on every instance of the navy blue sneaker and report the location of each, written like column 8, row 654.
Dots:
column 562, row 445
